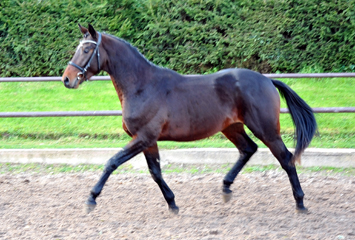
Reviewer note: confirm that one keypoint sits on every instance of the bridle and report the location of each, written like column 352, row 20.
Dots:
column 96, row 52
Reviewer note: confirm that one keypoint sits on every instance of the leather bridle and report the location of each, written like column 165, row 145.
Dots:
column 83, row 70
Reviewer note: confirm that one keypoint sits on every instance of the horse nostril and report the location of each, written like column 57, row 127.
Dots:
column 66, row 81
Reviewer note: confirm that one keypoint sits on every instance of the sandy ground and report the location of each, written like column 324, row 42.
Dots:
column 38, row 206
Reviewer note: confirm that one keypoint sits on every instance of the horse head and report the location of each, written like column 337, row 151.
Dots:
column 86, row 61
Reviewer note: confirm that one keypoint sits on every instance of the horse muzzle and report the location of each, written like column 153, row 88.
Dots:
column 72, row 84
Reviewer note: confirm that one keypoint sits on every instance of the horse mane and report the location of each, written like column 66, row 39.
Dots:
column 134, row 50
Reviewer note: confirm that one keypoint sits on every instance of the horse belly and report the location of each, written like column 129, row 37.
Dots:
column 190, row 126
column 200, row 107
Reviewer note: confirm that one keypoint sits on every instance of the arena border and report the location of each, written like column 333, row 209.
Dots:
column 343, row 158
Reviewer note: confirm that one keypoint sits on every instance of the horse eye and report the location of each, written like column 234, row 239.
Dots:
column 86, row 50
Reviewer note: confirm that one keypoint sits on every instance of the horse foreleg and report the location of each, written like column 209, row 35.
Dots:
column 153, row 161
column 236, row 134
column 133, row 148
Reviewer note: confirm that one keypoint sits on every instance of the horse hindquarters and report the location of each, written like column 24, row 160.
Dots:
column 263, row 120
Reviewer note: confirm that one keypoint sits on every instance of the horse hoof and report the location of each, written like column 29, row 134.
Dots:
column 301, row 210
column 174, row 210
column 89, row 207
column 227, row 197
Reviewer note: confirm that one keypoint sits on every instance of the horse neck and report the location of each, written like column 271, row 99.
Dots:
column 128, row 69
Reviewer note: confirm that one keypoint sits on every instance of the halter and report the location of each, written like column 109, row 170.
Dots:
column 96, row 51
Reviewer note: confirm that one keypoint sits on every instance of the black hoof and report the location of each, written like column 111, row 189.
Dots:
column 174, row 210
column 90, row 206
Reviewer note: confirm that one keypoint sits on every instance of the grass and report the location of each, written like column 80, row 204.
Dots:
column 37, row 168
column 337, row 130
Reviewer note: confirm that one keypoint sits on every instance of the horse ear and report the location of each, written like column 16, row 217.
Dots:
column 92, row 31
column 83, row 29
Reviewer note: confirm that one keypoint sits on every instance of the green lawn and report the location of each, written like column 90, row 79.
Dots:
column 337, row 130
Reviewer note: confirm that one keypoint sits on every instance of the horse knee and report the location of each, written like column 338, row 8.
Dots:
column 252, row 148
column 111, row 165
column 247, row 152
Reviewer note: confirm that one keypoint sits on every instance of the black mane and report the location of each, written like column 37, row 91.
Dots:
column 134, row 50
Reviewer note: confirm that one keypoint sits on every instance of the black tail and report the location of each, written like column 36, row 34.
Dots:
column 302, row 116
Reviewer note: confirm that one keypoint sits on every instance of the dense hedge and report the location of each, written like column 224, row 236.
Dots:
column 37, row 38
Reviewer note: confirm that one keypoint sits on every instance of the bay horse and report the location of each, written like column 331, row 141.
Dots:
column 160, row 104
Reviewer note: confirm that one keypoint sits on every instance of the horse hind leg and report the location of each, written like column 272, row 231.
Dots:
column 236, row 134
column 153, row 160
column 279, row 150
column 268, row 131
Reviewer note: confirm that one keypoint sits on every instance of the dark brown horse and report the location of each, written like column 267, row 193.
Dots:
column 160, row 104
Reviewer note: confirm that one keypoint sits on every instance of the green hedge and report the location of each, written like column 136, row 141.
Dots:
column 38, row 38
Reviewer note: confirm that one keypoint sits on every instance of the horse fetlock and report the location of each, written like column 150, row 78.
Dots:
column 301, row 209
column 226, row 189
column 299, row 199
column 226, row 186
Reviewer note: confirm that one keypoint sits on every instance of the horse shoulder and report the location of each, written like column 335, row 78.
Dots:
column 142, row 108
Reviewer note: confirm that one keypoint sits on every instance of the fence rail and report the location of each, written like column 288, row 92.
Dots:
column 106, row 78
column 47, row 79
column 119, row 113
column 61, row 114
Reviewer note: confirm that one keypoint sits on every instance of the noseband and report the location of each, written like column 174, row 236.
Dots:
column 96, row 52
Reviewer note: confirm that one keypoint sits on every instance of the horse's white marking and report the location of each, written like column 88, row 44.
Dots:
column 82, row 43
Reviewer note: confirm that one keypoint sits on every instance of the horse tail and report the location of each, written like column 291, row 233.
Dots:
column 302, row 116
